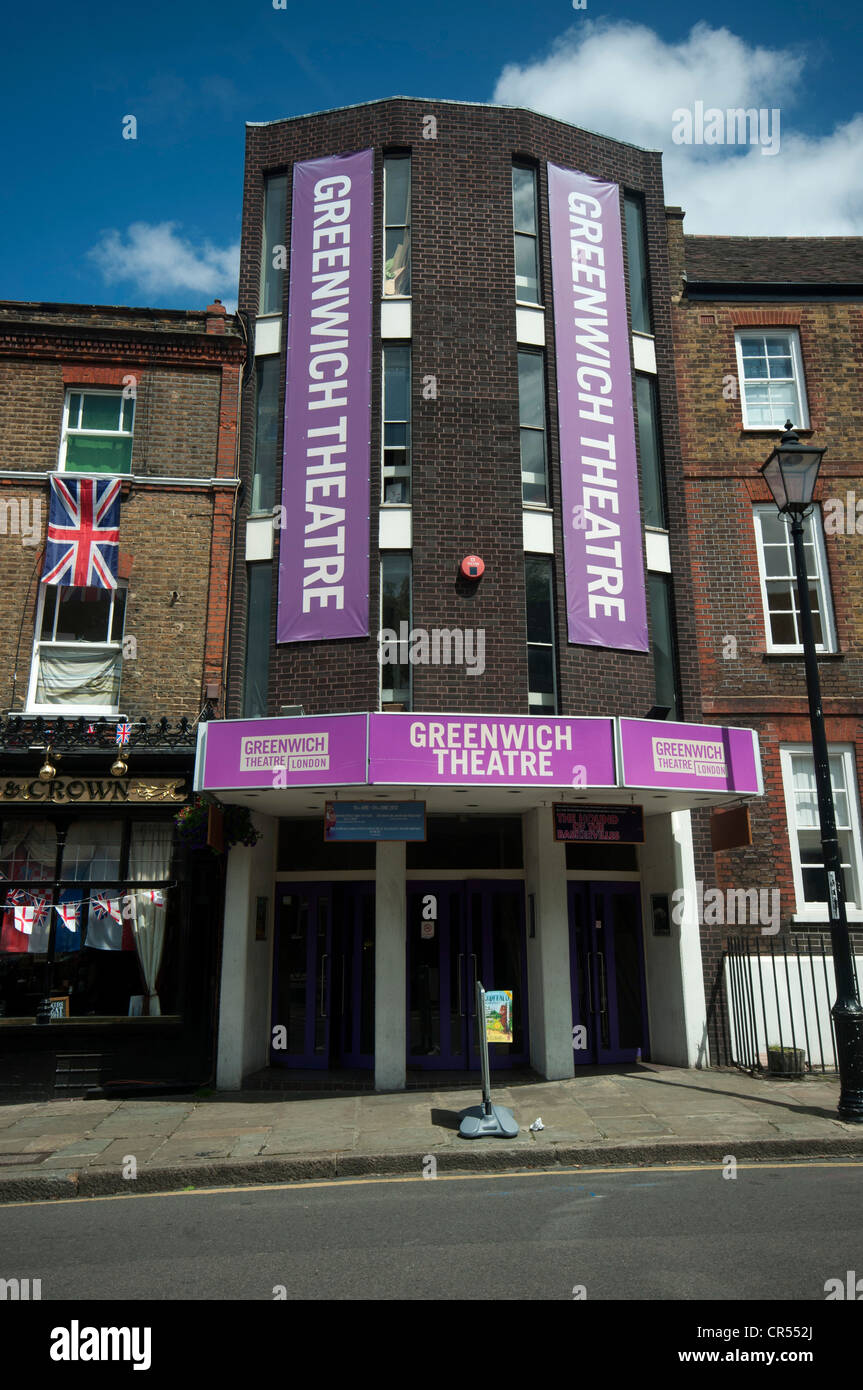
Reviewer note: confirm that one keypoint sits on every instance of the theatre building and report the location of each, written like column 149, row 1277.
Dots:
column 463, row 705
column 117, row 492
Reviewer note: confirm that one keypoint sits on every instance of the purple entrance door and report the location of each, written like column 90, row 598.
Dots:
column 477, row 932
column 609, row 1004
column 323, row 976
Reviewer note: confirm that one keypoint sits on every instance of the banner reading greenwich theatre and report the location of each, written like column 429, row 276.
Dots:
column 324, row 542
column 605, row 598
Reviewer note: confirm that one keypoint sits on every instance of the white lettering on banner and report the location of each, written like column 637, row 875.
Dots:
column 491, row 750
column 694, row 756
column 295, row 752
column 598, row 474
column 328, row 371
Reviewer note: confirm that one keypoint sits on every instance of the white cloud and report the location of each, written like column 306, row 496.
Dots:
column 160, row 264
column 623, row 80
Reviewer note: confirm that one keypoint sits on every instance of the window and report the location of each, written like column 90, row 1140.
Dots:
column 779, row 585
column 274, row 246
column 770, row 371
column 395, row 610
column 525, row 229
column 653, row 492
column 396, row 466
column 801, row 801
column 260, row 598
column 664, row 651
column 397, row 225
column 636, row 262
column 541, row 664
column 78, row 654
column 114, row 951
column 266, row 433
column 531, row 419
column 97, row 432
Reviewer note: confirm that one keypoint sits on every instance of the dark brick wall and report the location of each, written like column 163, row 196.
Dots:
column 466, row 470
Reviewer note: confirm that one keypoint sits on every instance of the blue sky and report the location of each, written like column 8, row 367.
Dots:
column 91, row 217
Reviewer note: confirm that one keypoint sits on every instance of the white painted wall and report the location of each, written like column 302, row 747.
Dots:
column 390, row 967
column 549, row 993
column 246, row 983
column 799, row 992
column 676, row 1006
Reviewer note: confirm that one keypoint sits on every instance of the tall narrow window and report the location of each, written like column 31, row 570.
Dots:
column 258, row 640
column 541, row 663
column 274, row 248
column 531, row 419
column 266, row 433
column 525, row 231
column 396, row 468
column 779, row 582
column 770, row 370
column 807, row 856
column 636, row 258
column 397, row 225
column 653, row 492
column 395, row 627
column 664, row 650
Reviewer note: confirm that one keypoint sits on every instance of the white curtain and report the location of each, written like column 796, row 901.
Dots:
column 77, row 678
column 150, row 858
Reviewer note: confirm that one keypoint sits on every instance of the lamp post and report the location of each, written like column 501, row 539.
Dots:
column 791, row 473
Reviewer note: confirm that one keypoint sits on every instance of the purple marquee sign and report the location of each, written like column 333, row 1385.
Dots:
column 495, row 751
column 696, row 757
column 605, row 597
column 314, row 751
column 324, row 547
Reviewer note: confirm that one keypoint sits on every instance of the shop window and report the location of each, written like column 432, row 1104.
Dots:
column 273, row 244
column 396, row 463
column 397, row 225
column 91, row 928
column 525, row 233
column 801, row 801
column 770, row 371
column 778, row 576
column 532, row 431
column 78, row 654
column 97, row 432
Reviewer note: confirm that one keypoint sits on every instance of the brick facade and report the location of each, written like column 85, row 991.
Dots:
column 814, row 285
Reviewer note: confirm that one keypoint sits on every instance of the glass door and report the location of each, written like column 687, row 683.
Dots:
column 607, row 972
column 302, row 977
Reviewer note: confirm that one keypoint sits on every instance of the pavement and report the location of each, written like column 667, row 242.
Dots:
column 641, row 1115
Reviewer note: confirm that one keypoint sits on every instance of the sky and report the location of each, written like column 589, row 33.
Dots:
column 90, row 216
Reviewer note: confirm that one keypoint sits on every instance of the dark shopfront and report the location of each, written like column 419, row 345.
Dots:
column 109, row 929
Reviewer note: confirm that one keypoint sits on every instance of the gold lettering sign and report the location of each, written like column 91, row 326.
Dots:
column 103, row 790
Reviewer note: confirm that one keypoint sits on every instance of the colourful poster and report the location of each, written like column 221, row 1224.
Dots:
column 498, row 1015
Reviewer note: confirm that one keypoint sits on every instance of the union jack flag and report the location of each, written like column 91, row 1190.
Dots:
column 123, row 732
column 83, row 533
column 105, row 907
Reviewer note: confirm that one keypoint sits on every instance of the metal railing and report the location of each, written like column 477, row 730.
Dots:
column 779, row 996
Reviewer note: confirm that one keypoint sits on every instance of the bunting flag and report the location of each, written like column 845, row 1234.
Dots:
column 108, row 929
column 26, row 923
column 83, row 532
column 69, row 935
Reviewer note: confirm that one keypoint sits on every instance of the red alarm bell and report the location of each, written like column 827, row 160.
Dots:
column 472, row 567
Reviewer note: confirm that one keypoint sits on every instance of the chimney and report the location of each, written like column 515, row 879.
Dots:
column 216, row 315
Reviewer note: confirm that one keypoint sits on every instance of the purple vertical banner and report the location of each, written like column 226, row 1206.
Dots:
column 605, row 598
column 324, row 545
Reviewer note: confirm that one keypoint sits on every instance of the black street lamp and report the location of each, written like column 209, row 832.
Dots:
column 791, row 473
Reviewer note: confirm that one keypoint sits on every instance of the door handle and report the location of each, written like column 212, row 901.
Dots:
column 324, row 959
column 460, row 972
column 590, row 1005
column 343, row 986
column 603, row 991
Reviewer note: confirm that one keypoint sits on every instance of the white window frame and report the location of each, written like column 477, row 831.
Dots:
column 76, row 710
column 807, row 911
column 801, row 419
column 821, row 580
column 117, row 392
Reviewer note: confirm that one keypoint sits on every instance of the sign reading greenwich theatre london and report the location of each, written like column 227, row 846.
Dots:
column 324, row 516
column 605, row 598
